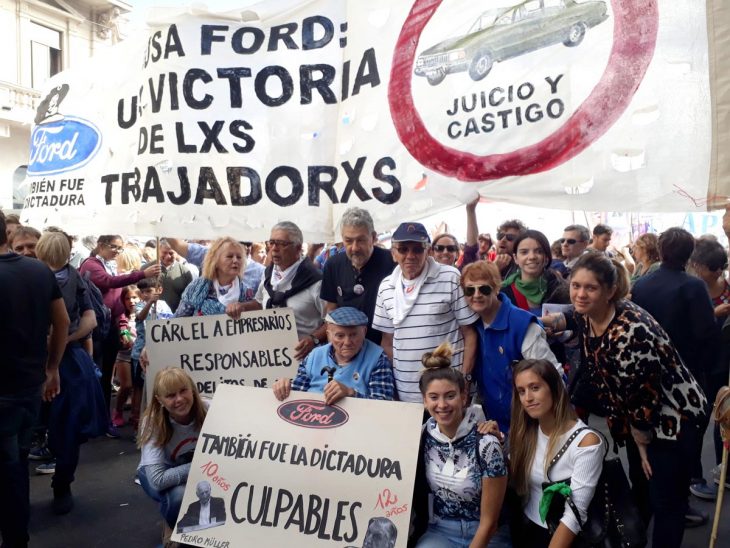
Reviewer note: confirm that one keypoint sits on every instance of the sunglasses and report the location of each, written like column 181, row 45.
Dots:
column 441, row 248
column 416, row 250
column 280, row 243
column 508, row 237
column 569, row 241
column 470, row 290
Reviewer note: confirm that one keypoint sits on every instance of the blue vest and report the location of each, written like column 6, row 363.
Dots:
column 356, row 374
column 499, row 345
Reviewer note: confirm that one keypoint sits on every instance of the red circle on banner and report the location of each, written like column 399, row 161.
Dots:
column 636, row 23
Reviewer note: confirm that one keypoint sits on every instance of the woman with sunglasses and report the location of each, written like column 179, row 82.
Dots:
column 506, row 334
column 102, row 271
column 445, row 249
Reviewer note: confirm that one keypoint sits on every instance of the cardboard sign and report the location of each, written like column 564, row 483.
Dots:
column 215, row 124
column 301, row 473
column 254, row 350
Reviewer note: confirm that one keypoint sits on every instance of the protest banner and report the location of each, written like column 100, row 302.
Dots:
column 254, row 350
column 213, row 124
column 302, row 473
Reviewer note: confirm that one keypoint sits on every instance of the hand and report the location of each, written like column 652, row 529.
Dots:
column 502, row 260
column 144, row 360
column 473, row 204
column 52, row 386
column 490, row 427
column 234, row 310
column 152, row 271
column 645, row 466
column 303, row 347
column 722, row 310
column 335, row 391
column 282, row 389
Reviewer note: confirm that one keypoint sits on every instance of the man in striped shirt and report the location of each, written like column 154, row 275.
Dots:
column 419, row 306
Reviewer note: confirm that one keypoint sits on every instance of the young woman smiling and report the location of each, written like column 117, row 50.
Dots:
column 652, row 402
column 534, row 283
column 543, row 422
column 465, row 470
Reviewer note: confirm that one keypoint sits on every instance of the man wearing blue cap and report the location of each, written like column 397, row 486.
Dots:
column 349, row 365
column 419, row 306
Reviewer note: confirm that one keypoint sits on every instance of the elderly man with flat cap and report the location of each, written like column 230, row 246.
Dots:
column 419, row 306
column 348, row 365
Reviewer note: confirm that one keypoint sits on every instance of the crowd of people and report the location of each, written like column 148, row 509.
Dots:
column 511, row 344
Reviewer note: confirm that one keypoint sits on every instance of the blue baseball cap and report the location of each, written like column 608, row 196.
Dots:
column 347, row 316
column 411, row 232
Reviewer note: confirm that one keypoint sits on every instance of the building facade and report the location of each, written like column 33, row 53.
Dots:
column 39, row 38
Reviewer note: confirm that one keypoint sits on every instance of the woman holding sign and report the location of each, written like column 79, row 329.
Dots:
column 221, row 287
column 464, row 469
column 170, row 429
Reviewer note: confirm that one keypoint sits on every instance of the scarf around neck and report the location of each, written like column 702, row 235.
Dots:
column 228, row 295
column 534, row 291
column 406, row 292
column 303, row 276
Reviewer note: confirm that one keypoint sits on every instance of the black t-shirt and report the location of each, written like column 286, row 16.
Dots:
column 27, row 288
column 340, row 279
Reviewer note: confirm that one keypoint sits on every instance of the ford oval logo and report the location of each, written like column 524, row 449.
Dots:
column 63, row 145
column 312, row 414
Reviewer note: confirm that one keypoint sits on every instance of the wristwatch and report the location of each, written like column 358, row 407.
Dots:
column 468, row 377
column 315, row 340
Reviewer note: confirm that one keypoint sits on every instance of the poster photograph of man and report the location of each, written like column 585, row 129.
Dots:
column 204, row 513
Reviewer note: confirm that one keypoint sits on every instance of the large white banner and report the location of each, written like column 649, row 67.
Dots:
column 254, row 350
column 301, row 473
column 291, row 109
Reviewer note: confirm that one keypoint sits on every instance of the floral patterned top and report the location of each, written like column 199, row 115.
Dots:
column 455, row 467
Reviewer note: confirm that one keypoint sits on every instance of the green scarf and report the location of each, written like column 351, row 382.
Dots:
column 533, row 291
column 561, row 488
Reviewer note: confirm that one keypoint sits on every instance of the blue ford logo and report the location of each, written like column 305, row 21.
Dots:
column 62, row 145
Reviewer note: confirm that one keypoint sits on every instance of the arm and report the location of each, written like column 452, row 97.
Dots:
column 470, row 348
column 387, row 343
column 381, row 384
column 493, row 490
column 283, row 387
column 329, row 307
column 536, row 347
column 162, row 477
column 87, row 323
column 142, row 314
column 56, row 347
column 105, row 281
column 179, row 246
column 472, row 230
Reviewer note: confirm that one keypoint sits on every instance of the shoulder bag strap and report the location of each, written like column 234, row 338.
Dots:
column 563, row 449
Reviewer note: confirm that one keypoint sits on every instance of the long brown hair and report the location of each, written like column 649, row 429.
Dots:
column 523, row 428
column 156, row 425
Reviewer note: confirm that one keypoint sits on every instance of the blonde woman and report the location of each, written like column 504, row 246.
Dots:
column 222, row 286
column 168, row 435
column 543, row 422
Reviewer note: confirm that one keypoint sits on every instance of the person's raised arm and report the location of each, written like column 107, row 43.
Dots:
column 178, row 246
column 472, row 229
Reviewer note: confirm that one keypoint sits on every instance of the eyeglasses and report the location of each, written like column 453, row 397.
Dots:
column 508, row 237
column 569, row 241
column 470, row 290
column 416, row 250
column 114, row 247
column 280, row 243
column 442, row 248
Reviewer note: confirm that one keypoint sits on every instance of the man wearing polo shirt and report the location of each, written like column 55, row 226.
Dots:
column 348, row 366
column 419, row 306
column 352, row 278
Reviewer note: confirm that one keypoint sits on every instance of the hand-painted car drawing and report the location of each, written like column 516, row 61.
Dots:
column 500, row 34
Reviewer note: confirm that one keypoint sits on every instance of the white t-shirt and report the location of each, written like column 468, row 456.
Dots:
column 582, row 465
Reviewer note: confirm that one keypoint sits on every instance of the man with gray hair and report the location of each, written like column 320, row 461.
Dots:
column 176, row 276
column 293, row 281
column 352, row 278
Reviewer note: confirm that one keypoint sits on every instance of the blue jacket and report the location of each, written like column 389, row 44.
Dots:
column 499, row 345
column 355, row 375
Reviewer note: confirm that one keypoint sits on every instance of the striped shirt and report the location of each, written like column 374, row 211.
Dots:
column 440, row 310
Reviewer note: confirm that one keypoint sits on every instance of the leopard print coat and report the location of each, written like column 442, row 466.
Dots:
column 638, row 376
